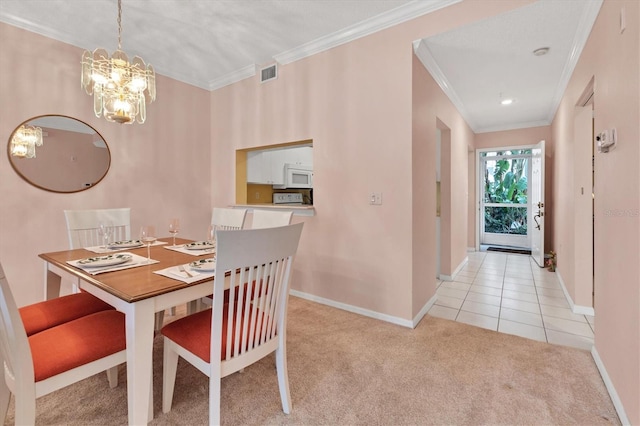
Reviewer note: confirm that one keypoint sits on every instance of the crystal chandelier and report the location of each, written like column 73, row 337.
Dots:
column 120, row 88
column 25, row 140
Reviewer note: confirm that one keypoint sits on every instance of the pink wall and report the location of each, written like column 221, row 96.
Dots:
column 518, row 137
column 432, row 110
column 355, row 102
column 423, row 164
column 160, row 169
column 612, row 58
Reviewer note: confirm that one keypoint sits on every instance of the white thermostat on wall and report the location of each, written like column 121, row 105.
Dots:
column 606, row 140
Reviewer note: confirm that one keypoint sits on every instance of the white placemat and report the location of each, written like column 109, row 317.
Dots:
column 175, row 273
column 180, row 248
column 101, row 249
column 133, row 263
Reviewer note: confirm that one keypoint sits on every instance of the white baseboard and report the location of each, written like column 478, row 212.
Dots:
column 471, row 249
column 576, row 309
column 610, row 388
column 424, row 310
column 452, row 276
column 357, row 310
column 583, row 310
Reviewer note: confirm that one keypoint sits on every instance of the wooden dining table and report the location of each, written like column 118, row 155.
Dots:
column 139, row 293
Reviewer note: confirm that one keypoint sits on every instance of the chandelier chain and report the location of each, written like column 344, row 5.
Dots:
column 119, row 24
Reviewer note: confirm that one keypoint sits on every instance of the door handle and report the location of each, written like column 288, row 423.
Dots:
column 535, row 218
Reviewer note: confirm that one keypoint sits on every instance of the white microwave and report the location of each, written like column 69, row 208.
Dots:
column 297, row 176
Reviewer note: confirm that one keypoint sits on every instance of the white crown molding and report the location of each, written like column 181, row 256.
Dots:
column 514, row 126
column 377, row 23
column 585, row 25
column 66, row 38
column 380, row 22
column 588, row 18
column 425, row 56
column 385, row 20
column 34, row 28
column 234, row 77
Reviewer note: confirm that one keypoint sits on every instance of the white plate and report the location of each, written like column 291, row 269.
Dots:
column 200, row 245
column 98, row 261
column 125, row 244
column 204, row 265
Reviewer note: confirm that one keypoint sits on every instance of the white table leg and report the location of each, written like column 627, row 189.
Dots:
column 140, row 324
column 52, row 282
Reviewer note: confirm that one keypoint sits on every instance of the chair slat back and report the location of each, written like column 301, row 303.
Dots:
column 260, row 262
column 227, row 218
column 270, row 219
column 14, row 345
column 83, row 225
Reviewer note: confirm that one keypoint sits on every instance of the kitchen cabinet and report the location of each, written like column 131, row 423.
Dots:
column 267, row 166
column 254, row 167
column 298, row 155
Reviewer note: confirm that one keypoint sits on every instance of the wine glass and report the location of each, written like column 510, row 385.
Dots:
column 105, row 229
column 148, row 236
column 174, row 227
column 211, row 236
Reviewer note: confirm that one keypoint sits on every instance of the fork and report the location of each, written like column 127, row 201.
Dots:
column 181, row 269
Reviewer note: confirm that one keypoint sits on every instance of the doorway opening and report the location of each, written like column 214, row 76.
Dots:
column 504, row 203
column 584, row 199
column 444, row 268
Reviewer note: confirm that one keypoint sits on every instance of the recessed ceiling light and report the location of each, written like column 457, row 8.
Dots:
column 541, row 51
column 506, row 101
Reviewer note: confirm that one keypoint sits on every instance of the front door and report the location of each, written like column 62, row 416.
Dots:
column 537, row 203
column 504, row 202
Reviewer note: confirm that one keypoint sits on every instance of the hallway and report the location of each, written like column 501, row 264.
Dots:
column 509, row 293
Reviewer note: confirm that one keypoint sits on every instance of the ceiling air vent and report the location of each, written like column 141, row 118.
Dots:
column 269, row 73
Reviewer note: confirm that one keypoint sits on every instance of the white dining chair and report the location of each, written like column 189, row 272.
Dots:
column 240, row 330
column 270, row 218
column 55, row 357
column 83, row 226
column 225, row 218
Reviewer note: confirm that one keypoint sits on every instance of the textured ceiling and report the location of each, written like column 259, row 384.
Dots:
column 480, row 64
column 210, row 43
column 195, row 41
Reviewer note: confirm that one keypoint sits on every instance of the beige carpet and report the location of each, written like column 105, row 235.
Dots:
column 345, row 369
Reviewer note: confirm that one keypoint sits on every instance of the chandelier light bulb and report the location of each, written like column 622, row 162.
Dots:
column 25, row 140
column 19, row 150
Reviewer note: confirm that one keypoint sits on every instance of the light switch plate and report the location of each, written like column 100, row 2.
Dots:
column 375, row 198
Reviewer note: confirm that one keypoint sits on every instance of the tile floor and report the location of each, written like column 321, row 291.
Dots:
column 511, row 294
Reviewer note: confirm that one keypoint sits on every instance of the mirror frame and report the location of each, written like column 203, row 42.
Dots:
column 38, row 185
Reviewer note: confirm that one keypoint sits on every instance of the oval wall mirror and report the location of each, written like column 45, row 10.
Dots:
column 58, row 153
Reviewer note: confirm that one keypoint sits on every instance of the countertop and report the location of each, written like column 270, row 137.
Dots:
column 298, row 209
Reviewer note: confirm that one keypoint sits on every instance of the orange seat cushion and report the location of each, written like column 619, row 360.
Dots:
column 50, row 313
column 78, row 342
column 194, row 333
